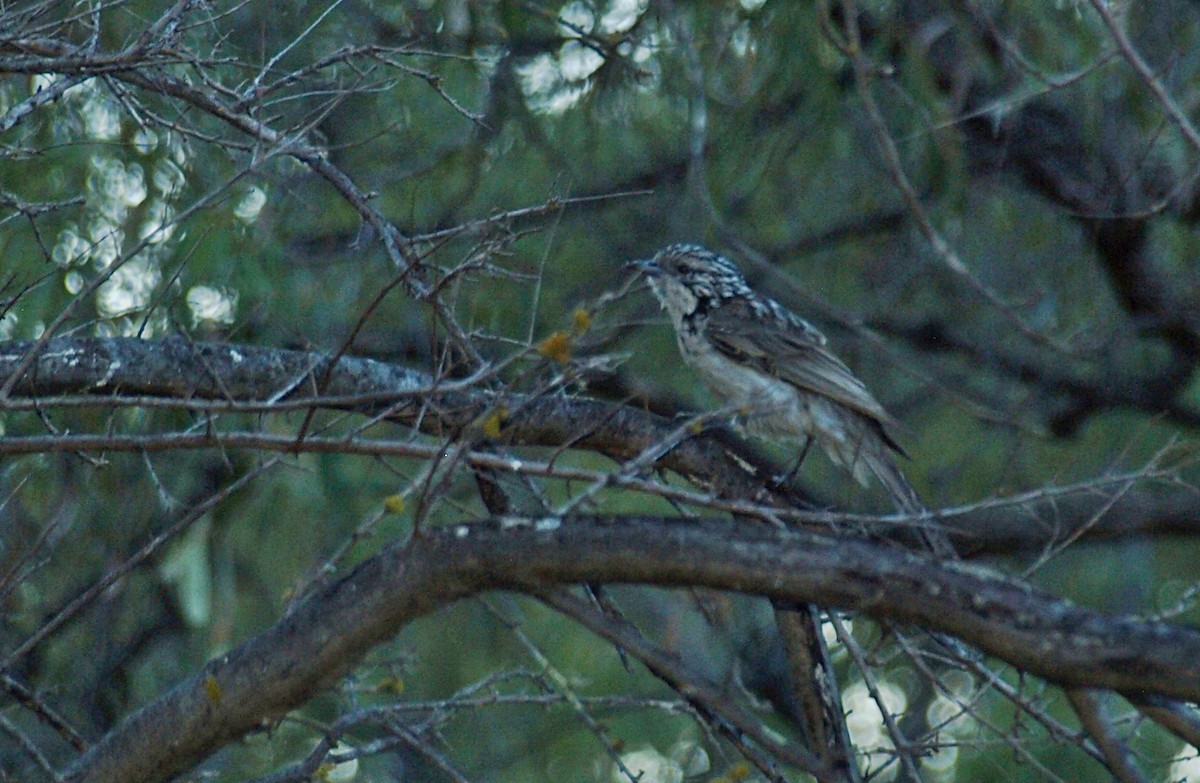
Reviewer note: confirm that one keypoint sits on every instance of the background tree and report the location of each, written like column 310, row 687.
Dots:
column 323, row 394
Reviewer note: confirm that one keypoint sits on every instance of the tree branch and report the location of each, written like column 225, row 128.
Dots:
column 211, row 378
column 256, row 379
column 327, row 635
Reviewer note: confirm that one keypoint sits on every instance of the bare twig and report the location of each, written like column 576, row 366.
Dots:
column 1146, row 73
column 863, row 71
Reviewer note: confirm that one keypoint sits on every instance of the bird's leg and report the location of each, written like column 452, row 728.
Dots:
column 786, row 478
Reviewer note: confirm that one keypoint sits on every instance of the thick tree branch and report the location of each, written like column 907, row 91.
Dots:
column 820, row 699
column 252, row 378
column 209, row 377
column 265, row 677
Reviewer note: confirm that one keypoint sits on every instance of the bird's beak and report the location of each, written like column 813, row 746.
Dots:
column 646, row 266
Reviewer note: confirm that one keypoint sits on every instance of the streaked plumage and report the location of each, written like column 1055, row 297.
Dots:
column 765, row 359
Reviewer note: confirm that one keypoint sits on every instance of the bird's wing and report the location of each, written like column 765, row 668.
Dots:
column 793, row 351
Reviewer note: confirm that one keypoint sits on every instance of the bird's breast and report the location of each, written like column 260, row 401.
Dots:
column 769, row 404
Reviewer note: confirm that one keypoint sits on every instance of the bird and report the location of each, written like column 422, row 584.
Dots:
column 777, row 370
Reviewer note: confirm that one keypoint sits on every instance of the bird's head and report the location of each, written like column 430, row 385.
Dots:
column 687, row 278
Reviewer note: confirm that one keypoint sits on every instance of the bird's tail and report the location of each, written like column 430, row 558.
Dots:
column 862, row 446
column 935, row 539
column 884, row 468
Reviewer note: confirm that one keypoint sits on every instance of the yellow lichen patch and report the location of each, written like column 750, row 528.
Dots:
column 392, row 685
column 581, row 319
column 394, row 504
column 493, row 423
column 212, row 689
column 556, row 347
